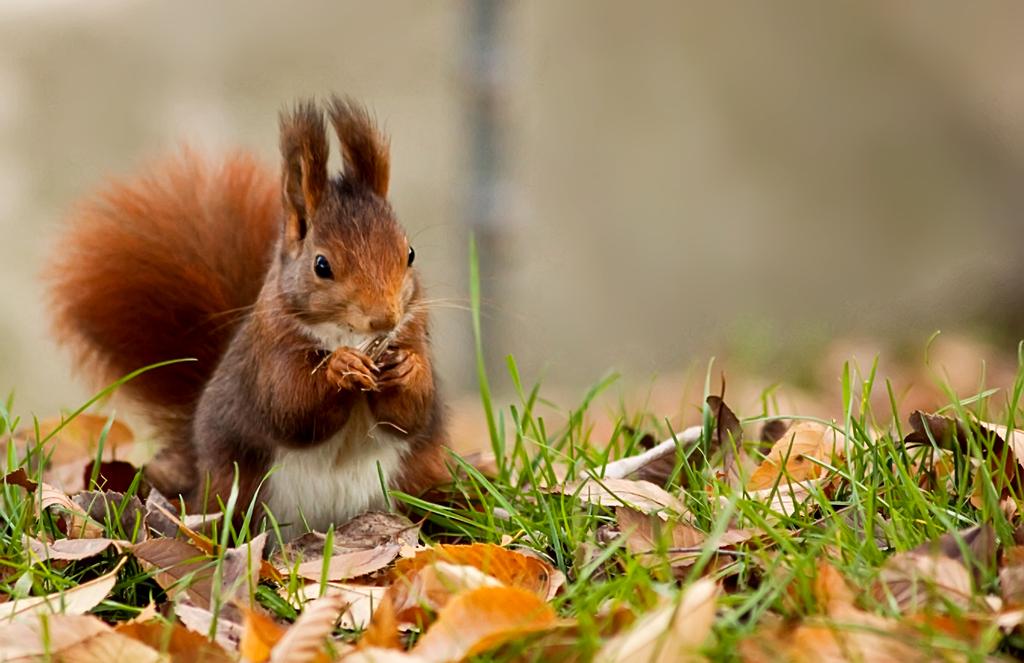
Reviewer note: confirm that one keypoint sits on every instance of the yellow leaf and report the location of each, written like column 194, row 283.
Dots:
column 790, row 459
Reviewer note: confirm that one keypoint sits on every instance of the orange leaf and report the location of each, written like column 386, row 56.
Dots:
column 260, row 634
column 482, row 619
column 790, row 458
column 383, row 629
column 507, row 566
column 181, row 644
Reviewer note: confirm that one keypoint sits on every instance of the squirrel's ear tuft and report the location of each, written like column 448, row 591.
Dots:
column 363, row 146
column 304, row 150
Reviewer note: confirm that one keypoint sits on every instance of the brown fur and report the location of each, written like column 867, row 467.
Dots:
column 193, row 261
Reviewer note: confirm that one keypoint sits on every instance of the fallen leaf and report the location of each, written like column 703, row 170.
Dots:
column 365, row 544
column 786, row 498
column 304, row 640
column 484, row 462
column 259, row 635
column 76, row 520
column 654, row 464
column 178, row 567
column 382, row 655
column 431, row 587
column 845, row 634
column 111, row 507
column 240, row 570
column 382, row 633
column 175, row 640
column 360, row 601
column 78, row 438
column 1003, row 457
column 790, row 459
column 161, row 516
column 227, row 633
column 115, row 475
column 937, row 574
column 655, row 542
column 1011, row 576
column 70, row 639
column 24, row 638
column 351, row 564
column 640, row 495
column 509, row 567
column 376, row 527
column 482, row 619
column 19, row 477
column 75, row 601
column 70, row 549
column 672, row 632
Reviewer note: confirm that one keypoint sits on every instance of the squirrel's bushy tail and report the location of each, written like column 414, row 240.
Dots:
column 163, row 267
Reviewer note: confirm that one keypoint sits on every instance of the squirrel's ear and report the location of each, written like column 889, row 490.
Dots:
column 363, row 146
column 304, row 169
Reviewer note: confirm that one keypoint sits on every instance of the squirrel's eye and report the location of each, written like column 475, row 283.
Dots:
column 322, row 268
column 412, row 255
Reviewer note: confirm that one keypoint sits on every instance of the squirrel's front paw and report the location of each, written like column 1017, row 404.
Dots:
column 348, row 368
column 398, row 368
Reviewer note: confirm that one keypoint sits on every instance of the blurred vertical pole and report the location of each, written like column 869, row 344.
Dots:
column 485, row 205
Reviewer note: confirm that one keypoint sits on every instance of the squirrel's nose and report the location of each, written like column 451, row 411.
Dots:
column 385, row 322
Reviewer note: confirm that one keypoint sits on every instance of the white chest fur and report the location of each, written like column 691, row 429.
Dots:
column 338, row 479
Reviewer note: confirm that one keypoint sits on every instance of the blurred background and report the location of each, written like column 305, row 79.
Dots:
column 651, row 183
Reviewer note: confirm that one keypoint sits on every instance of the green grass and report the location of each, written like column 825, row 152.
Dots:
column 878, row 488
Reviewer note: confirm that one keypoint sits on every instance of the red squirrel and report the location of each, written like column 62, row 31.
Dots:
column 298, row 298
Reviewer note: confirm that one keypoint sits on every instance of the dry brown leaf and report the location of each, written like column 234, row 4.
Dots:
column 161, row 518
column 376, row 527
column 351, row 564
column 109, row 506
column 227, row 633
column 1011, row 577
column 75, row 601
column 76, row 520
column 641, row 495
column 304, row 640
column 1004, row 460
column 672, row 632
column 179, row 643
column 19, row 477
column 31, row 638
column 360, row 601
column 482, row 619
column 178, row 567
column 846, row 634
column 361, row 546
column 790, row 458
column 511, row 568
column 937, row 573
column 69, row 549
column 655, row 541
column 240, row 570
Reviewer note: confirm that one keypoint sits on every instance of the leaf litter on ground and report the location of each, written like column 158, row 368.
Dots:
column 692, row 546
